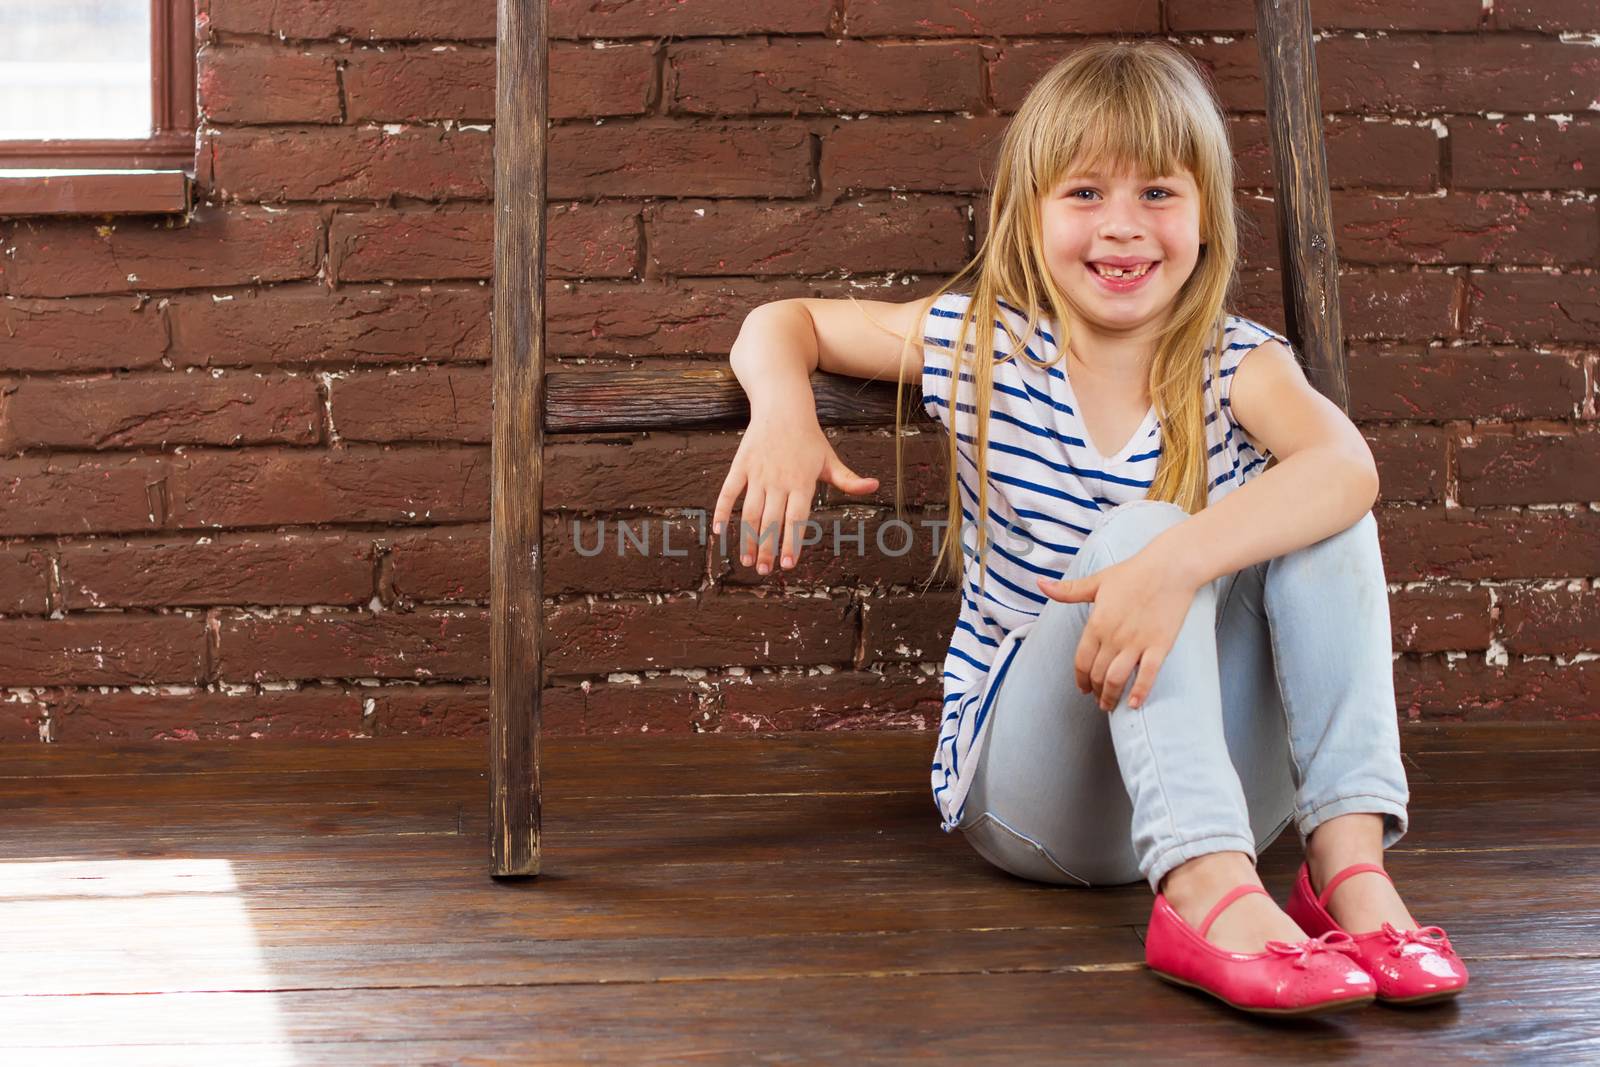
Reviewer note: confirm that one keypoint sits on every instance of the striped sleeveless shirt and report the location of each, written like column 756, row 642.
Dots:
column 1048, row 487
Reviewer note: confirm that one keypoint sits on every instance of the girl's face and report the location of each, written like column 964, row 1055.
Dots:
column 1150, row 227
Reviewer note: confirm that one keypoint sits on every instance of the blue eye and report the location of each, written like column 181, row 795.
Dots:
column 1166, row 194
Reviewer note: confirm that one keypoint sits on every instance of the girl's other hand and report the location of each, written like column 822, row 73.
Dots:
column 782, row 457
column 1139, row 607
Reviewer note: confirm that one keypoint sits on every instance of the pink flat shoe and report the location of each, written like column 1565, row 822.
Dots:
column 1288, row 978
column 1415, row 966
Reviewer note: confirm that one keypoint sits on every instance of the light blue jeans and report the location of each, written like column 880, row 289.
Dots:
column 1275, row 703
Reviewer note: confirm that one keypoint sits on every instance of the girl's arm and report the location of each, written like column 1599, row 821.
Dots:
column 784, row 453
column 781, row 343
column 1324, row 480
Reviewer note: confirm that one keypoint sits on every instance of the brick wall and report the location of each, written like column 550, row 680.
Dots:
column 244, row 456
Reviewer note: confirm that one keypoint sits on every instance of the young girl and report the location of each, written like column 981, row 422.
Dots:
column 1174, row 631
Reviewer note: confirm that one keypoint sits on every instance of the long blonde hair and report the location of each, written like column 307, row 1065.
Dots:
column 1120, row 104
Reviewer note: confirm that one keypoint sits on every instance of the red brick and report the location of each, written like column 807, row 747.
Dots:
column 216, row 246
column 24, row 580
column 695, row 318
column 320, row 712
column 896, row 699
column 703, row 18
column 124, row 333
column 426, row 82
column 159, row 410
column 23, row 720
column 449, row 710
column 794, row 77
column 1000, row 18
column 268, row 83
column 648, row 705
column 417, row 404
column 1479, row 543
column 1408, row 73
column 1440, row 620
column 603, row 473
column 272, row 487
column 1411, row 461
column 625, row 553
column 101, row 649
column 1534, row 306
column 1360, row 154
column 1016, row 68
column 80, row 494
column 889, row 552
column 584, row 240
column 1522, row 691
column 380, row 19
column 1523, row 153
column 670, row 158
column 1401, row 305
column 1483, row 228
column 1525, row 468
column 915, row 628
column 1455, row 73
column 414, row 245
column 1545, row 15
column 275, row 569
column 367, row 163
column 1240, row 15
column 310, row 324
column 425, row 644
column 1463, row 383
column 446, row 82
column 1561, row 621
column 440, row 565
column 711, row 237
column 453, row 565
column 871, row 452
column 928, row 155
column 1258, row 240
column 698, row 630
column 475, row 19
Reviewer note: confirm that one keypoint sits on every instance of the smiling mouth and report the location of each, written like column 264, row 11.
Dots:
column 1124, row 273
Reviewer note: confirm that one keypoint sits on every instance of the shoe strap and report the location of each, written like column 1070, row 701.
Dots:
column 1227, row 898
column 1354, row 868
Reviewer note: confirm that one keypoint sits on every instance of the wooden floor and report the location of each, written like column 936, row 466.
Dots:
column 773, row 899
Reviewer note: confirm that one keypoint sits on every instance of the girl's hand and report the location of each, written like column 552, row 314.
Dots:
column 782, row 457
column 1139, row 607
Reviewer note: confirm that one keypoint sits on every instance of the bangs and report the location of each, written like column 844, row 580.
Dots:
column 1132, row 127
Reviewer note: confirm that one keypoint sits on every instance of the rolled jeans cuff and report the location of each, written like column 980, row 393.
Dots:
column 1394, row 825
column 1183, row 851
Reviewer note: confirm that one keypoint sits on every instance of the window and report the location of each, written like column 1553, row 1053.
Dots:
column 97, row 106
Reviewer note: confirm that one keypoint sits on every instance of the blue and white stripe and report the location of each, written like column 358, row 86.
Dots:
column 1047, row 490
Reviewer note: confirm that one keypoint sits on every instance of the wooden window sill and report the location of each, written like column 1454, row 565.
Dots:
column 93, row 192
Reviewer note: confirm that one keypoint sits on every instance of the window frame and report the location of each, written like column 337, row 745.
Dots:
column 119, row 175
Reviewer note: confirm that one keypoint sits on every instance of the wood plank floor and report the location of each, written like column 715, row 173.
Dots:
column 740, row 899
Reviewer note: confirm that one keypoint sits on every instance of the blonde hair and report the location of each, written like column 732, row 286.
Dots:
column 1143, row 105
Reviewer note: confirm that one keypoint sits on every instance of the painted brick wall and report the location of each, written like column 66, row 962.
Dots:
column 244, row 456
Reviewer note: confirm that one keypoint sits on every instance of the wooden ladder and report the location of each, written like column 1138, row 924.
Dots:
column 713, row 398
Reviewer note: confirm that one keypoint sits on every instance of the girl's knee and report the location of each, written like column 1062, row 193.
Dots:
column 1358, row 536
column 1350, row 552
column 1130, row 526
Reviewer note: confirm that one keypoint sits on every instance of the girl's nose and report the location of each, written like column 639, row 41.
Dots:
column 1120, row 221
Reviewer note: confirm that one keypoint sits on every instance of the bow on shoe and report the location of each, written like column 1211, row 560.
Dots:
column 1330, row 941
column 1431, row 936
